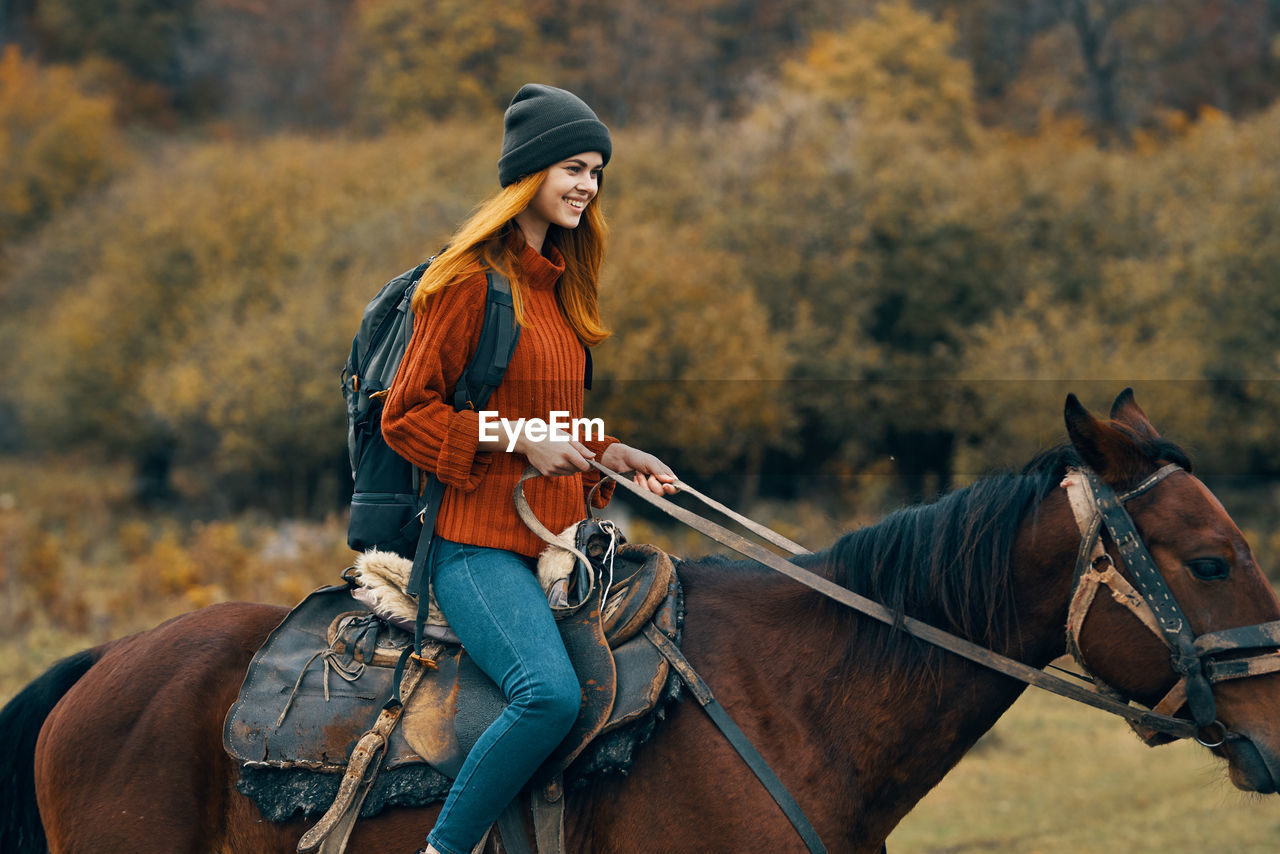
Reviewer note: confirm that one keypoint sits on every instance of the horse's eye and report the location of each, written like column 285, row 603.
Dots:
column 1209, row 568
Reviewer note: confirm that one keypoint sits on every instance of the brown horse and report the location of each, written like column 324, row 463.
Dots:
column 859, row 720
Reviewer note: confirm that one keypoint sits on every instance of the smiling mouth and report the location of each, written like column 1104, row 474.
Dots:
column 577, row 204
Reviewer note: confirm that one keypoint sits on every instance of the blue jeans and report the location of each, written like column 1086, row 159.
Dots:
column 493, row 602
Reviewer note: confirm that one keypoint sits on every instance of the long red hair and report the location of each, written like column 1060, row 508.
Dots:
column 491, row 239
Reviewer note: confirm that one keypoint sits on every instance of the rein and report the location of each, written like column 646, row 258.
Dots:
column 1149, row 719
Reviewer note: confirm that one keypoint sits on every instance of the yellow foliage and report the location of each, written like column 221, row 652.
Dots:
column 444, row 58
column 894, row 66
column 215, row 293
column 694, row 365
column 204, row 595
column 221, row 554
column 55, row 142
column 170, row 567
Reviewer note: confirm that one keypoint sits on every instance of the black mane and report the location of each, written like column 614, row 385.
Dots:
column 948, row 563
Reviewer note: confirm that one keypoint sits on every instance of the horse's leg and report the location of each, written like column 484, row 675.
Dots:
column 132, row 758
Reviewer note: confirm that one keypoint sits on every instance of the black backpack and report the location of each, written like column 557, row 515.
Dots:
column 392, row 508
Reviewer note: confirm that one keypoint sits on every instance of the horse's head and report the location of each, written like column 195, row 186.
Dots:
column 1188, row 624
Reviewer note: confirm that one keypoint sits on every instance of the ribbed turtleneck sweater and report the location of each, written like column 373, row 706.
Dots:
column 544, row 376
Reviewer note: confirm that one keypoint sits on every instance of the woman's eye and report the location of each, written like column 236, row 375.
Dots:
column 1209, row 568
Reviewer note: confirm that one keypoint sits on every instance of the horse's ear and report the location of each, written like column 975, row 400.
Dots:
column 1126, row 411
column 1109, row 451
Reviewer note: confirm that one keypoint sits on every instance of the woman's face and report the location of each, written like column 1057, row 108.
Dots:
column 570, row 186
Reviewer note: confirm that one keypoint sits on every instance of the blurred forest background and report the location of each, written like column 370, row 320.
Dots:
column 861, row 251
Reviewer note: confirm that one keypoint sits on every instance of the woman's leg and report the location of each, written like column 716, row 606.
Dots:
column 492, row 600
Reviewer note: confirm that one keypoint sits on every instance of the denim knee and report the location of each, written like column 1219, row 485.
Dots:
column 554, row 698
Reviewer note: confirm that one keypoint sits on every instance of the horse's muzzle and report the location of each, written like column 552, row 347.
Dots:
column 1252, row 768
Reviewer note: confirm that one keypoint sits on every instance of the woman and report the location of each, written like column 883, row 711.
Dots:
column 545, row 232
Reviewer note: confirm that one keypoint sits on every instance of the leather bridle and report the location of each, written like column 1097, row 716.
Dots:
column 1097, row 506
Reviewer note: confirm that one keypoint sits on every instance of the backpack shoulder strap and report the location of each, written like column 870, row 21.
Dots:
column 499, row 333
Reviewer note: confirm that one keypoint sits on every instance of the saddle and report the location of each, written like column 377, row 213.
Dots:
column 324, row 676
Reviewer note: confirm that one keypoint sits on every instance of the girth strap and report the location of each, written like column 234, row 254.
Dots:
column 547, row 805
column 511, row 829
column 702, row 693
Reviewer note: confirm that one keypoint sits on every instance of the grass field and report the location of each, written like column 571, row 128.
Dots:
column 1054, row 777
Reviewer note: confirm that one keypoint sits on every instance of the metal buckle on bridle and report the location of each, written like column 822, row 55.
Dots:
column 1200, row 737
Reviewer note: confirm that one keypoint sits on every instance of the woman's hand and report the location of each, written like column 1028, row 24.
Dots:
column 554, row 456
column 651, row 473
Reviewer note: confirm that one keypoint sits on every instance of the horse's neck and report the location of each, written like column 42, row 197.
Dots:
column 888, row 735
column 938, row 712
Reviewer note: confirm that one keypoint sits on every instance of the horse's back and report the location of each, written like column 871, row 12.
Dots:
column 126, row 760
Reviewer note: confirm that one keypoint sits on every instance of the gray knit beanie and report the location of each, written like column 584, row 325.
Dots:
column 543, row 126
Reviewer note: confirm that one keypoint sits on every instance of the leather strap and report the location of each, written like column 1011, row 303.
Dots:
column 511, row 829
column 419, row 585
column 1138, row 560
column 952, row 643
column 702, row 693
column 533, row 523
column 750, row 524
column 547, row 803
column 329, row 835
column 1264, row 635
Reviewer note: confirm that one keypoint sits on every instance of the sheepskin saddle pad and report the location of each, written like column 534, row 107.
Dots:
column 321, row 678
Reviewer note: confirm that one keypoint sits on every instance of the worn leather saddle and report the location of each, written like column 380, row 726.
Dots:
column 323, row 675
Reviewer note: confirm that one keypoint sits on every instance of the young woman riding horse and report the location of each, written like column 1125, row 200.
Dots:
column 858, row 720
column 544, row 231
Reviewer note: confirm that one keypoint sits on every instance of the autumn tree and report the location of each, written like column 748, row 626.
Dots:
column 853, row 202
column 446, row 58
column 133, row 46
column 56, row 142
column 695, row 372
column 1123, row 65
column 208, row 302
column 268, row 64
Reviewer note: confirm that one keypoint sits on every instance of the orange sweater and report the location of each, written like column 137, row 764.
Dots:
column 545, row 375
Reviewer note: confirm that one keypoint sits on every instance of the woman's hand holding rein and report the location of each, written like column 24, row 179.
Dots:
column 549, row 456
column 553, row 457
column 651, row 473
